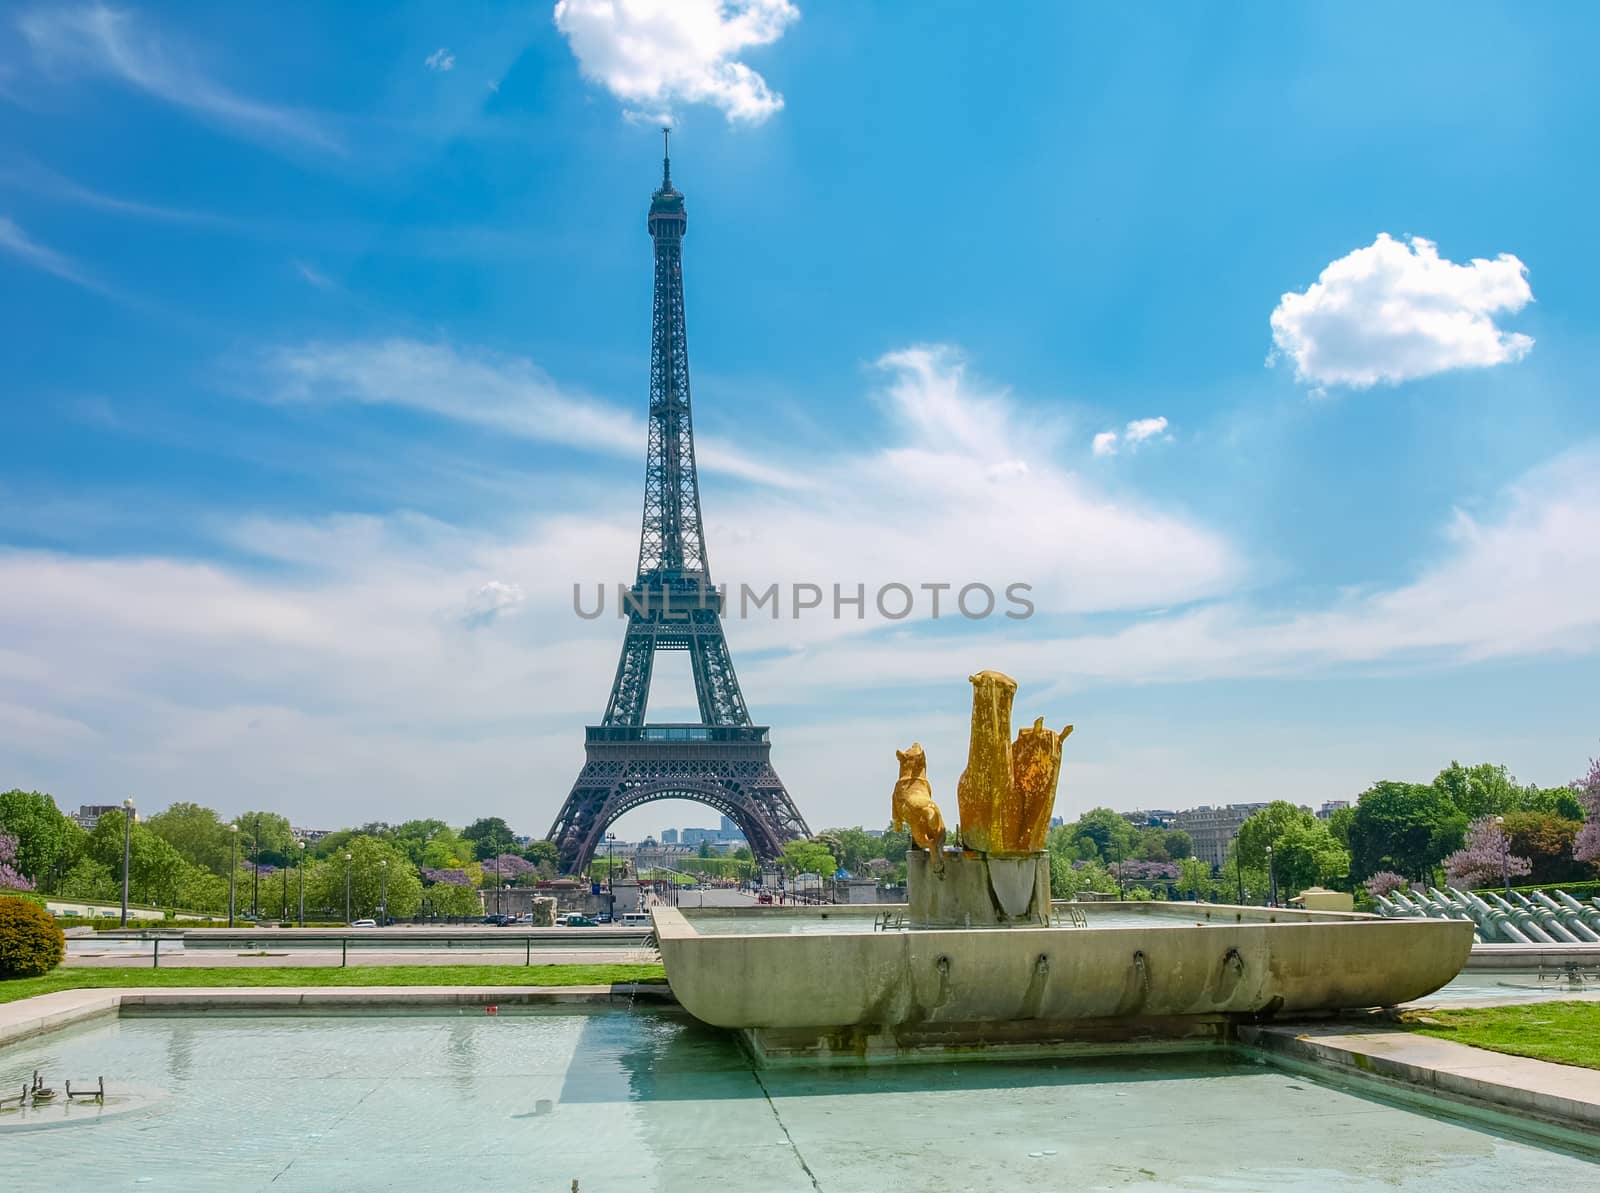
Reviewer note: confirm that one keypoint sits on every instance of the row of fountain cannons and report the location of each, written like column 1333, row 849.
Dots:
column 1536, row 920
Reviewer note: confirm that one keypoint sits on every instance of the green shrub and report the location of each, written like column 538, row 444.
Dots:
column 30, row 942
column 25, row 896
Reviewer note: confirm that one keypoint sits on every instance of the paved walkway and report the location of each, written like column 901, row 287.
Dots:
column 1563, row 1096
column 175, row 958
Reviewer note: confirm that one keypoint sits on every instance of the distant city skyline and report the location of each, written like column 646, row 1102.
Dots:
column 1262, row 349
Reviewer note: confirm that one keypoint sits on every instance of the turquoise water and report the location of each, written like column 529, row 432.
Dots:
column 643, row 1102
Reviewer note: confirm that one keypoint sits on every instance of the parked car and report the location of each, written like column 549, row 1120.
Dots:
column 363, row 923
column 576, row 920
column 603, row 918
column 499, row 921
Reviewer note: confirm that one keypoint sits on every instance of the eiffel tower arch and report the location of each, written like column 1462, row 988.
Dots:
column 722, row 760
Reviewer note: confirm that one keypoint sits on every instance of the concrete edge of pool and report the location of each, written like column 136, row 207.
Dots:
column 43, row 1013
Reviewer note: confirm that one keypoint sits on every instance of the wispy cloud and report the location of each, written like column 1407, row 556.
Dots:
column 19, row 244
column 312, row 276
column 659, row 52
column 38, row 180
column 117, row 45
column 506, row 393
column 440, row 60
column 1139, row 431
column 1394, row 312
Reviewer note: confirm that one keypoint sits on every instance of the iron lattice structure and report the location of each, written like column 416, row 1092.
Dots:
column 723, row 760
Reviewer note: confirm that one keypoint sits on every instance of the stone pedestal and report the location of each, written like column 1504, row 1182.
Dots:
column 978, row 890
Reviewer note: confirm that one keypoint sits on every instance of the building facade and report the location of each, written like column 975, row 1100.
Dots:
column 1212, row 830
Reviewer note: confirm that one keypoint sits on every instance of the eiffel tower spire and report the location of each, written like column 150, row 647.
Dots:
column 722, row 760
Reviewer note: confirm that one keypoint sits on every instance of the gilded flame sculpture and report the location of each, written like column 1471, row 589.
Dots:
column 1008, row 789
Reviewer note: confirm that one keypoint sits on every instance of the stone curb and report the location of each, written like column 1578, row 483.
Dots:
column 1534, row 1093
column 43, row 1013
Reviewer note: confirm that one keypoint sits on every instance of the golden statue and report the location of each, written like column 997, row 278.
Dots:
column 1008, row 790
column 914, row 807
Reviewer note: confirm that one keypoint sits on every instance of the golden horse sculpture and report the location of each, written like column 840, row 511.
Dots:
column 913, row 806
column 1008, row 790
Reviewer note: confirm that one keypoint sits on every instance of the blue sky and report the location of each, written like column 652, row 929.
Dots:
column 1258, row 340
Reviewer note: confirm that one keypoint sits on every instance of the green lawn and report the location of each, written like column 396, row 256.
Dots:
column 355, row 975
column 1565, row 1032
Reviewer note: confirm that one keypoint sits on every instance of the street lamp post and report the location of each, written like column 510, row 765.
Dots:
column 1238, row 874
column 383, row 892
column 127, row 852
column 255, row 864
column 283, row 906
column 347, row 889
column 611, row 879
column 1272, row 881
column 302, row 884
column 1505, row 852
column 497, row 851
column 233, row 870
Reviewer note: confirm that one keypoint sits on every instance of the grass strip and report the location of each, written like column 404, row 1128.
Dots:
column 1567, row 1033
column 354, row 975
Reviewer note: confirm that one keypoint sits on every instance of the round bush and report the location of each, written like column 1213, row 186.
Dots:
column 30, row 942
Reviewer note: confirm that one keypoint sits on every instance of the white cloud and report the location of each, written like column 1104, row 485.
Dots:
column 112, row 43
column 663, row 51
column 19, row 244
column 492, row 600
column 1140, row 430
column 1393, row 312
column 440, row 60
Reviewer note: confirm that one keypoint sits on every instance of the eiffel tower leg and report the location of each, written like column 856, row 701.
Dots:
column 716, row 686
column 624, row 771
column 630, row 690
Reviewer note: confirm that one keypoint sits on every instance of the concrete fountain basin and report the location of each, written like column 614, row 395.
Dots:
column 834, row 983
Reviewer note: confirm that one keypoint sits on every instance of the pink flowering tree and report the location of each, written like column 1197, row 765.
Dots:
column 1486, row 858
column 1586, row 848
column 1385, row 881
column 11, row 879
column 508, row 867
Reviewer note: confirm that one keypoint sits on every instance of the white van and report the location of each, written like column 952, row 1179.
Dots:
column 636, row 919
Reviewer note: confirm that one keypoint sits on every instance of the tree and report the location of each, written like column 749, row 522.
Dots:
column 704, row 850
column 489, row 835
column 1405, row 827
column 447, row 899
column 41, row 830
column 1179, row 844
column 325, row 880
column 414, row 836
column 1113, row 837
column 1383, row 882
column 852, row 847
column 1304, row 851
column 1482, row 790
column 808, row 857
column 1194, row 880
column 1485, row 858
column 1586, row 848
column 542, row 853
column 11, row 879
column 1339, row 821
column 1547, row 842
column 277, row 844
column 89, row 880
column 197, row 833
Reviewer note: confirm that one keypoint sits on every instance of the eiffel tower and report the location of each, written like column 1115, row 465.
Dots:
column 722, row 760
